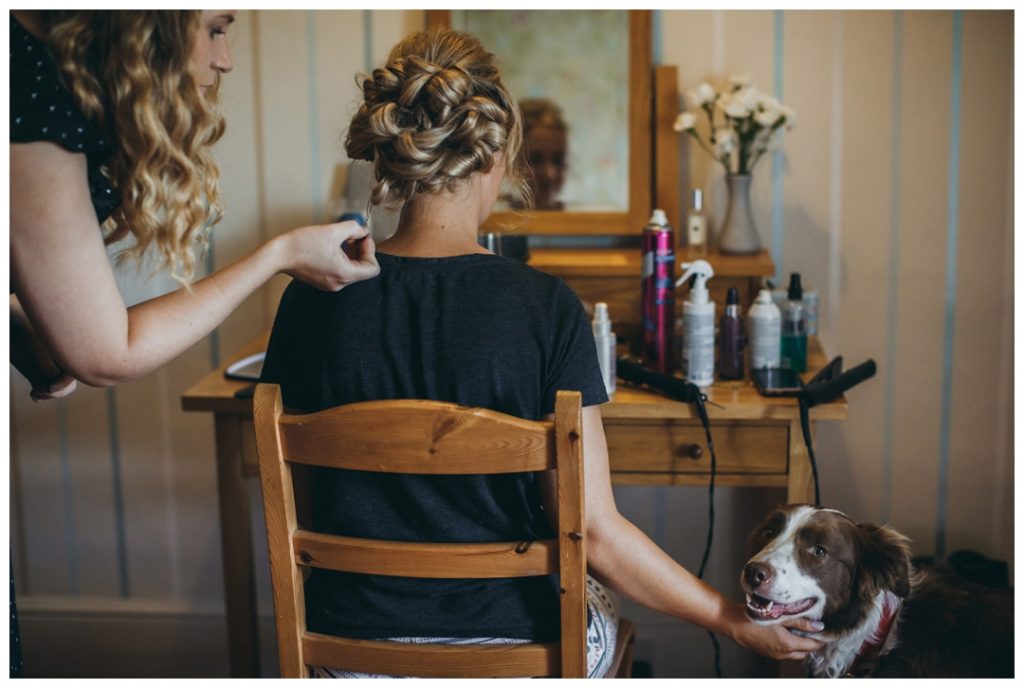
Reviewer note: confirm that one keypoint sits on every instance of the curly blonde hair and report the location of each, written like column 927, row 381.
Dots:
column 436, row 113
column 129, row 72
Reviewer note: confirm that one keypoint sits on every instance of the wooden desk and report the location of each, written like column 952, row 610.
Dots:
column 651, row 440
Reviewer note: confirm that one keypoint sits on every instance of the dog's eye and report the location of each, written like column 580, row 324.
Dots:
column 768, row 532
column 819, row 551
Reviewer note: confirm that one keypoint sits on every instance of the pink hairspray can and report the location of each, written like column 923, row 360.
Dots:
column 657, row 292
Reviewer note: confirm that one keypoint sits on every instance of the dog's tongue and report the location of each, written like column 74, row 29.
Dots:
column 762, row 608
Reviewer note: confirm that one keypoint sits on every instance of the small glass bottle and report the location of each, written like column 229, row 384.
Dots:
column 697, row 225
column 794, row 331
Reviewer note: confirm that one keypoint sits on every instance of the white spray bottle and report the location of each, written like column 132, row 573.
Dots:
column 605, row 340
column 698, row 325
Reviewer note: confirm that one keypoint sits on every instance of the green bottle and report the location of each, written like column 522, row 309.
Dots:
column 794, row 328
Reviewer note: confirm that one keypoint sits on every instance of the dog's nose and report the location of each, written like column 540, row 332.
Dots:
column 757, row 573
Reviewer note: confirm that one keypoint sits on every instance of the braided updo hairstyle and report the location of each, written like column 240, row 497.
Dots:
column 436, row 113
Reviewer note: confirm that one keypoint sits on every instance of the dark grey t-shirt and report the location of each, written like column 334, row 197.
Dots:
column 476, row 330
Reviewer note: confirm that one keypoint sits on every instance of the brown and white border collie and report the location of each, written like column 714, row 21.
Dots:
column 881, row 617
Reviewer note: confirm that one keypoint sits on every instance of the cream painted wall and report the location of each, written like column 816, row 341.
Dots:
column 113, row 493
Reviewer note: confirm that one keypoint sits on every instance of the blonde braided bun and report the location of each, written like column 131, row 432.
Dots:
column 436, row 113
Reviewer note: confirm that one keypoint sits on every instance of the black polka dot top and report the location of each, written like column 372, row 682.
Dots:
column 43, row 109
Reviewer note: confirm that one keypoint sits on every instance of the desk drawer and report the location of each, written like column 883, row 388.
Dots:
column 667, row 446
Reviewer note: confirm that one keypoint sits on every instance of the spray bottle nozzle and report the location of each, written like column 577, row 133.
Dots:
column 701, row 271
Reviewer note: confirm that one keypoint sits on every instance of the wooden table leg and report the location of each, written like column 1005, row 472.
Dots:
column 801, row 477
column 236, row 541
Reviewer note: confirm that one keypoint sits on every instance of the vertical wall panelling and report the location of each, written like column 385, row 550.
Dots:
column 317, row 187
column 778, row 155
column 241, row 160
column 284, row 116
column 949, row 324
column 850, row 453
column 35, row 433
column 15, row 490
column 368, row 41
column 150, row 505
column 93, row 481
column 1003, row 522
column 892, row 321
column 209, row 264
column 117, row 488
column 339, row 56
column 924, row 151
column 691, row 50
column 808, row 75
column 979, row 394
column 67, row 495
column 828, row 316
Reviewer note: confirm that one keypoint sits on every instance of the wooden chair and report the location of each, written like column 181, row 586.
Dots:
column 425, row 437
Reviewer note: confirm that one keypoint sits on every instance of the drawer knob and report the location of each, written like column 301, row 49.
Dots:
column 692, row 451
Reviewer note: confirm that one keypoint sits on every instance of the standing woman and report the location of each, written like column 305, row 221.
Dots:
column 113, row 118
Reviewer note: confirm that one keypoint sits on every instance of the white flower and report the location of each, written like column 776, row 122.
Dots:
column 769, row 102
column 749, row 97
column 736, row 109
column 790, row 116
column 725, row 142
column 738, row 81
column 701, row 96
column 685, row 121
column 767, row 118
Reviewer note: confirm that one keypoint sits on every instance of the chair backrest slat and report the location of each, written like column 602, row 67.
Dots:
column 422, row 437
column 426, row 560
column 417, row 436
column 571, row 527
column 433, row 661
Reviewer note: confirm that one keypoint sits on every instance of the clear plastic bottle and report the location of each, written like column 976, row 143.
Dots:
column 604, row 338
column 794, row 330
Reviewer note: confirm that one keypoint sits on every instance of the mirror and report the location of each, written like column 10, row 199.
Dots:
column 583, row 81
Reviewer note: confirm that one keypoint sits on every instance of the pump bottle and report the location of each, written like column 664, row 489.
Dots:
column 794, row 331
column 698, row 325
column 604, row 338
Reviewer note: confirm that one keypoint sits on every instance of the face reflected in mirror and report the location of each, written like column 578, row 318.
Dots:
column 547, row 143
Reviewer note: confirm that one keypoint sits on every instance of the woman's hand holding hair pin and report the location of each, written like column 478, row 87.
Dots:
column 329, row 257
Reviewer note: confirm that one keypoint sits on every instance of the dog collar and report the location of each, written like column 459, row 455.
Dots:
column 869, row 651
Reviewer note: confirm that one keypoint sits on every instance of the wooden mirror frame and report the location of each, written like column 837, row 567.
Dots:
column 639, row 169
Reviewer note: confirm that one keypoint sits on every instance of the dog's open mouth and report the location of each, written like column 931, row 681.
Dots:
column 761, row 608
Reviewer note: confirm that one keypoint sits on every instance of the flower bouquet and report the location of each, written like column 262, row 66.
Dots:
column 742, row 125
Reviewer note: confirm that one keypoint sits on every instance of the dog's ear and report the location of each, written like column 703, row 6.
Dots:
column 885, row 558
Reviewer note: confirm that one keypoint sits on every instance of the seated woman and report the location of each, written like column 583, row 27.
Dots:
column 449, row 321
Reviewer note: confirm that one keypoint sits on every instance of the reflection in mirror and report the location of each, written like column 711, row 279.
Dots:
column 570, row 70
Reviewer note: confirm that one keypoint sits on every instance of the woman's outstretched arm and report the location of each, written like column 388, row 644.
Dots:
column 622, row 557
column 63, row 279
